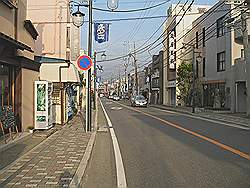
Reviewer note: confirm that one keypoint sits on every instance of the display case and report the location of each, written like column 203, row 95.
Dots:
column 43, row 105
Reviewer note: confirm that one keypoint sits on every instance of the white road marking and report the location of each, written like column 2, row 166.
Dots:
column 115, row 108
column 120, row 172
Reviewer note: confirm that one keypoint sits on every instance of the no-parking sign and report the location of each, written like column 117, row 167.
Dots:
column 84, row 62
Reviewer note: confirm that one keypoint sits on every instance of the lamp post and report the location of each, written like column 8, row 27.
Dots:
column 95, row 73
column 193, row 70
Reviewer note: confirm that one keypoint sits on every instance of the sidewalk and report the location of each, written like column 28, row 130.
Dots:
column 52, row 163
column 223, row 116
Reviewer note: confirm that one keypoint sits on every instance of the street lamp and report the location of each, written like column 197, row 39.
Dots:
column 103, row 56
column 112, row 4
column 193, row 69
column 78, row 18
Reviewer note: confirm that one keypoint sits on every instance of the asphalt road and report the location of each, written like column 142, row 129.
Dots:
column 168, row 149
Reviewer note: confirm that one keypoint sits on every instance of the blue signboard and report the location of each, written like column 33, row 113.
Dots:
column 101, row 32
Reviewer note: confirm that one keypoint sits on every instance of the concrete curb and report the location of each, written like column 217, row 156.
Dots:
column 76, row 181
column 203, row 116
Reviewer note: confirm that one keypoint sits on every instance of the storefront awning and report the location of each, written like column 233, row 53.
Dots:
column 50, row 68
column 9, row 40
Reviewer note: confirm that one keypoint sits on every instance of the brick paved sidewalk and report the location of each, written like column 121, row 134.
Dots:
column 52, row 163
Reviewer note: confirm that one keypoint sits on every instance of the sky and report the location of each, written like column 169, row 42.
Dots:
column 124, row 34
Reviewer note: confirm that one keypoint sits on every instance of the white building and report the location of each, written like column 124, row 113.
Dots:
column 174, row 37
column 221, row 75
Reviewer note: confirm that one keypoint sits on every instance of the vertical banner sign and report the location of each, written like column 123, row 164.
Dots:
column 101, row 32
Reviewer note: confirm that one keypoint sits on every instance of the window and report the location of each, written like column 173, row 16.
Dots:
column 221, row 61
column 220, row 27
column 197, row 40
column 203, row 37
column 204, row 67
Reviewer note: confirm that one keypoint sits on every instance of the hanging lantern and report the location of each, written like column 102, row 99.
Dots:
column 112, row 4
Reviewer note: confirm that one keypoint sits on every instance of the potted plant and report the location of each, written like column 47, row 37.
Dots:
column 31, row 128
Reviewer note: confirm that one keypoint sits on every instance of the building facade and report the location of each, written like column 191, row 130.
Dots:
column 18, row 70
column 156, row 77
column 221, row 74
column 175, row 28
column 54, row 47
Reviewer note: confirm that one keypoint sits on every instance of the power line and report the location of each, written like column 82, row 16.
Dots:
column 150, row 45
column 132, row 10
column 137, row 51
column 158, row 27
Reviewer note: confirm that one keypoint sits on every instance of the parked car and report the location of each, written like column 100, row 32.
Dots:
column 111, row 96
column 116, row 98
column 139, row 100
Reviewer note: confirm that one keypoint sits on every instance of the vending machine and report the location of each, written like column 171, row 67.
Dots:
column 43, row 105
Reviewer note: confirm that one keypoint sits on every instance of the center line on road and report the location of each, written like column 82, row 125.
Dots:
column 223, row 146
column 120, row 172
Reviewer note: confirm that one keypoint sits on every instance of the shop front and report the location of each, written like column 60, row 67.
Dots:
column 15, row 70
column 214, row 95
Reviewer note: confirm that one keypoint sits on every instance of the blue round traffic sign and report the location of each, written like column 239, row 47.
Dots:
column 84, row 62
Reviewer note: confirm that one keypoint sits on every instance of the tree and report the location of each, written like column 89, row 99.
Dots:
column 184, row 81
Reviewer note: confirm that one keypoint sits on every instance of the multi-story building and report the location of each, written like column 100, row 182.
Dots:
column 18, row 70
column 55, row 47
column 141, row 80
column 157, row 79
column 180, row 18
column 221, row 75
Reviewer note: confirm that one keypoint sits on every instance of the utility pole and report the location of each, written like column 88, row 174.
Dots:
column 88, row 84
column 119, row 86
column 125, row 66
column 244, row 20
column 194, row 84
column 136, row 73
column 95, row 74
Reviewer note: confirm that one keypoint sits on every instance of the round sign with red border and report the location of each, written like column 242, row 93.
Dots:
column 84, row 62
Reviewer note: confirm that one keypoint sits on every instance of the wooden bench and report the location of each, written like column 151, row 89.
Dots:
column 7, row 121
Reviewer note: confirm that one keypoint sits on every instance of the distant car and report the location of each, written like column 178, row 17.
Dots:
column 101, row 95
column 116, row 98
column 139, row 100
column 111, row 96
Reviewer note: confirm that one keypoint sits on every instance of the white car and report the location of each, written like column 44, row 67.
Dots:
column 116, row 98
